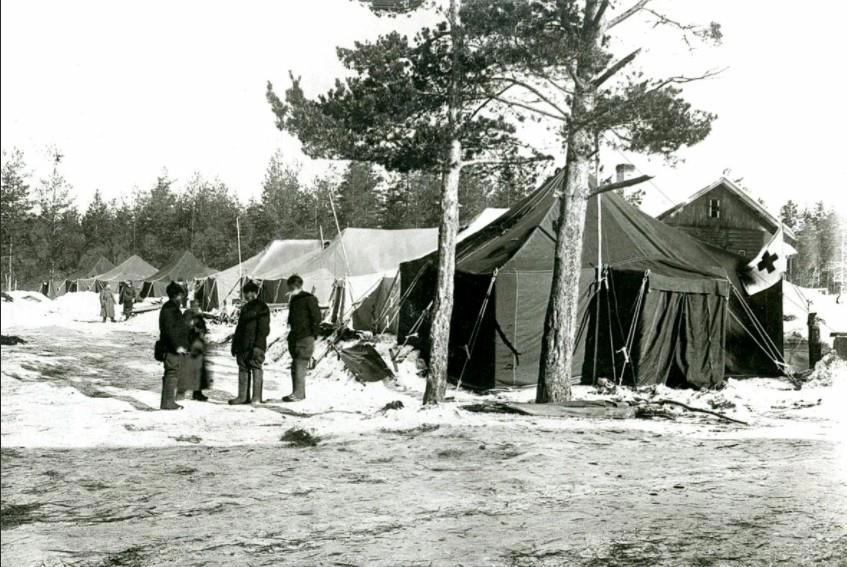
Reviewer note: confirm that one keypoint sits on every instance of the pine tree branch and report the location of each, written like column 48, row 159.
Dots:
column 610, row 72
column 628, row 13
column 535, row 91
column 530, row 108
column 516, row 161
column 619, row 185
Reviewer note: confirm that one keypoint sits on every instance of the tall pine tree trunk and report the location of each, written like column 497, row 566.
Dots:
column 436, row 382
column 560, row 324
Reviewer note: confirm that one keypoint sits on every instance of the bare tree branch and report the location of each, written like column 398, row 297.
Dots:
column 609, row 73
column 628, row 13
column 619, row 185
column 516, row 161
column 531, row 109
column 534, row 91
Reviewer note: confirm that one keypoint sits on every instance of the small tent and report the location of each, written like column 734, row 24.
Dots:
column 184, row 267
column 133, row 269
column 658, row 315
column 212, row 291
column 86, row 275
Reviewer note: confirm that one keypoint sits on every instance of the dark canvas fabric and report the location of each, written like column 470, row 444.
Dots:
column 636, row 249
column 133, row 269
column 184, row 267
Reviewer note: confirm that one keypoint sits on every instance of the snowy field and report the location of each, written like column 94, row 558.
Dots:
column 92, row 475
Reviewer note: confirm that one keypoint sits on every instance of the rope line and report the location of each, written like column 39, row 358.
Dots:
column 469, row 347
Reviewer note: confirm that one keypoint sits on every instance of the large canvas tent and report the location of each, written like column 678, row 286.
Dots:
column 213, row 291
column 369, row 255
column 184, row 267
column 133, row 269
column 660, row 316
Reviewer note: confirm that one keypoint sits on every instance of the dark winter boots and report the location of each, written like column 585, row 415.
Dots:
column 243, row 388
column 169, row 385
column 258, row 382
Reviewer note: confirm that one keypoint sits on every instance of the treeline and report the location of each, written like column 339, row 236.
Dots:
column 820, row 238
column 45, row 234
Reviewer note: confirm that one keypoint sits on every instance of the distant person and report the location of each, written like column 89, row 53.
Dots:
column 304, row 320
column 107, row 303
column 249, row 345
column 195, row 375
column 173, row 337
column 128, row 299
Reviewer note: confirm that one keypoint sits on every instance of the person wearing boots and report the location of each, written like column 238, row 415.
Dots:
column 195, row 375
column 107, row 303
column 249, row 345
column 304, row 320
column 173, row 334
column 128, row 299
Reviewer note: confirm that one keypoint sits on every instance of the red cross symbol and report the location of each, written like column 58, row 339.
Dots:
column 767, row 262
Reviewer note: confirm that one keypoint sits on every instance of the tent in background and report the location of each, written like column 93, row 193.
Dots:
column 184, row 267
column 665, row 302
column 52, row 288
column 99, row 266
column 213, row 291
column 133, row 269
column 366, row 254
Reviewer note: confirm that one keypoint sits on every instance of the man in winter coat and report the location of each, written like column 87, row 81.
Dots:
column 249, row 345
column 304, row 320
column 107, row 303
column 128, row 299
column 173, row 334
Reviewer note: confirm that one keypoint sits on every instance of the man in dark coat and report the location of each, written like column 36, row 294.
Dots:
column 173, row 334
column 128, row 299
column 249, row 345
column 304, row 320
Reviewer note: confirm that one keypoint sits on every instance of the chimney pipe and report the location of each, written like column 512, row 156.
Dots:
column 624, row 171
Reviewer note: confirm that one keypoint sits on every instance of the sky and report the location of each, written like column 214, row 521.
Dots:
column 128, row 89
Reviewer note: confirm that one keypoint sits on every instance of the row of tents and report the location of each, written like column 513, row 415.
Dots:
column 150, row 280
column 656, row 306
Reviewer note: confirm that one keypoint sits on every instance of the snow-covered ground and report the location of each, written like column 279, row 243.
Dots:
column 94, row 474
column 97, row 375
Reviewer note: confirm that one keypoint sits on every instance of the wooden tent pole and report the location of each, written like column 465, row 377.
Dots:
column 240, row 267
column 599, row 277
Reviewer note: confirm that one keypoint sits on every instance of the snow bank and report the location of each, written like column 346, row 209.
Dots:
column 30, row 310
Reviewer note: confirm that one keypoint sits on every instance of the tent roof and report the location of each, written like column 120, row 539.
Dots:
column 360, row 251
column 280, row 252
column 133, row 268
column 97, row 267
column 184, row 266
column 480, row 221
column 523, row 239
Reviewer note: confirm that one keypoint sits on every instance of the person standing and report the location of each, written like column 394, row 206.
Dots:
column 249, row 345
column 107, row 303
column 128, row 299
column 173, row 336
column 195, row 375
column 304, row 320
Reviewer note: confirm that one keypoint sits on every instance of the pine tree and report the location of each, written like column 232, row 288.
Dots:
column 15, row 210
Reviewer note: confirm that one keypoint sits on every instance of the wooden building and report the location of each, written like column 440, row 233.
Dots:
column 725, row 216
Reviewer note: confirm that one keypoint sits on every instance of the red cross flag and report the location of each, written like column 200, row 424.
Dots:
column 767, row 267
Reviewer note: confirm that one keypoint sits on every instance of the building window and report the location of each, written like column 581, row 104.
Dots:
column 715, row 208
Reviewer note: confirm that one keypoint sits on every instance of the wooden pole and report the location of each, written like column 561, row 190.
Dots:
column 599, row 276
column 240, row 267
